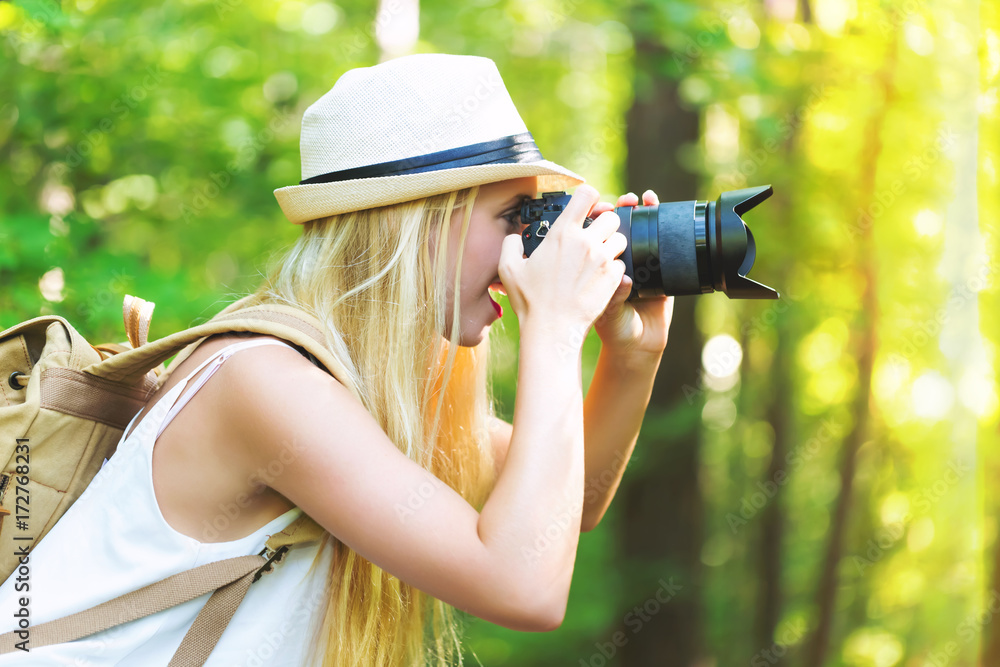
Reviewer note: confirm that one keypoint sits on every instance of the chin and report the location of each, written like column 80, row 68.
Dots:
column 469, row 338
column 472, row 340
column 468, row 341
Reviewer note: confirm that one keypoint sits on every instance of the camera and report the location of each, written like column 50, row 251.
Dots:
column 685, row 247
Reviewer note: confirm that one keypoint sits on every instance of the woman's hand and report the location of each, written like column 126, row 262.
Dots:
column 569, row 279
column 639, row 328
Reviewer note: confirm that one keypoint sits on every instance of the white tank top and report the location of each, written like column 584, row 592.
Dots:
column 114, row 539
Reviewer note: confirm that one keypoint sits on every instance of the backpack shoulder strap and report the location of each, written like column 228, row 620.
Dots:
column 285, row 322
column 229, row 579
column 215, row 616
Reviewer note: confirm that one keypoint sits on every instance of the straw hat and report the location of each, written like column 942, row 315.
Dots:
column 408, row 128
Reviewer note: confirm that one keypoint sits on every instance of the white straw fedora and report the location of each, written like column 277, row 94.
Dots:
column 408, row 128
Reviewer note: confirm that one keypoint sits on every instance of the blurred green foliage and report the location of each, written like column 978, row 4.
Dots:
column 140, row 145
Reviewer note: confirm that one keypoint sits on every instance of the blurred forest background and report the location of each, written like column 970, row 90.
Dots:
column 813, row 484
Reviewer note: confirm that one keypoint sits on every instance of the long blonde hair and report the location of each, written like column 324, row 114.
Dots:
column 369, row 278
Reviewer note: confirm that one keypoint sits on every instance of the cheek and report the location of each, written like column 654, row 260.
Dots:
column 481, row 260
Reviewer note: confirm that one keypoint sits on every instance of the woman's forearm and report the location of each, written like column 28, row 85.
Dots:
column 612, row 415
column 531, row 522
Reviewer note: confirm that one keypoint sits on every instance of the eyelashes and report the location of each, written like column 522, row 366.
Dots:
column 513, row 218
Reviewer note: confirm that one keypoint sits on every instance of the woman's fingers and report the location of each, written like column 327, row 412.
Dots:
column 583, row 199
column 616, row 243
column 628, row 199
column 605, row 225
column 649, row 198
column 600, row 207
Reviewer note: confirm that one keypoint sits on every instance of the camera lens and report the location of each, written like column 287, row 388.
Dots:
column 685, row 247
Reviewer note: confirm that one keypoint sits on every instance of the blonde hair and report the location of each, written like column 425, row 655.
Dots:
column 369, row 278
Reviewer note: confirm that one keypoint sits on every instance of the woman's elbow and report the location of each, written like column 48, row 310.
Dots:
column 553, row 620
column 542, row 613
column 541, row 618
column 531, row 598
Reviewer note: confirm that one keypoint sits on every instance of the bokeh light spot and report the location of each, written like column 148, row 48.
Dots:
column 721, row 356
column 927, row 223
column 931, row 396
column 52, row 284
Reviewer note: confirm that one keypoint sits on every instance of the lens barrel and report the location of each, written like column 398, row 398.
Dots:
column 675, row 248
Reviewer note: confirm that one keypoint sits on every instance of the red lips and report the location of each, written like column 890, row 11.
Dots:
column 497, row 307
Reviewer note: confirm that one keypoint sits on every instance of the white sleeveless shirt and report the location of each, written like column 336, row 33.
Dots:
column 114, row 539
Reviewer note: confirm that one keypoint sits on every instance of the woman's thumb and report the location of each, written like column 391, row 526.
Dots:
column 511, row 252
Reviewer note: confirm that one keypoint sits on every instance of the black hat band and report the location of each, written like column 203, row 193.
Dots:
column 510, row 149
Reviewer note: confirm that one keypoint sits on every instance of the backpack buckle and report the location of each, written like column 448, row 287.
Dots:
column 273, row 557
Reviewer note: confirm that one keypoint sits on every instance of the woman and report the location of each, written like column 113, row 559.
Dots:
column 409, row 208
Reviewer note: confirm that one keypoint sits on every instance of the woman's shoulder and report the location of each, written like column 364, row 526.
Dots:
column 249, row 379
column 273, row 365
column 217, row 342
column 271, row 393
column 269, row 373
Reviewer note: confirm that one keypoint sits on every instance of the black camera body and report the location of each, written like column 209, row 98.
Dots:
column 675, row 248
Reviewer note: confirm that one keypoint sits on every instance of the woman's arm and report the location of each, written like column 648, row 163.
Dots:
column 532, row 517
column 612, row 415
column 500, row 433
column 311, row 441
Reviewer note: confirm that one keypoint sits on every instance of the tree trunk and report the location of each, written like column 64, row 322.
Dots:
column 779, row 415
column 772, row 517
column 826, row 596
column 662, row 527
column 990, row 645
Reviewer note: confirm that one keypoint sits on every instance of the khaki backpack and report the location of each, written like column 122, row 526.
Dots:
column 64, row 405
